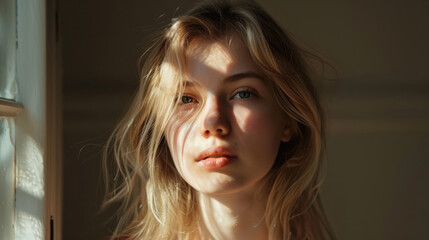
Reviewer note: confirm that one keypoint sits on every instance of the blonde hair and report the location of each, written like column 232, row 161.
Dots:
column 155, row 202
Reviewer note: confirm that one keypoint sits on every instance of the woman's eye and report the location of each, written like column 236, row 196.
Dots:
column 187, row 99
column 243, row 94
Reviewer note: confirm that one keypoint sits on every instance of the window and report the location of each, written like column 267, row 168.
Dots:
column 30, row 169
column 8, row 109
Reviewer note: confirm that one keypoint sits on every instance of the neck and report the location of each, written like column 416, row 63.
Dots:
column 233, row 216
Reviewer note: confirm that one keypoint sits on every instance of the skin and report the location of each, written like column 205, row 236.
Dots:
column 226, row 103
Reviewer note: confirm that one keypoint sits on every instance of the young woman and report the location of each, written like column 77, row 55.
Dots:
column 225, row 136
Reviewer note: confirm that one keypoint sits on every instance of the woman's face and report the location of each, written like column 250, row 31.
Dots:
column 226, row 133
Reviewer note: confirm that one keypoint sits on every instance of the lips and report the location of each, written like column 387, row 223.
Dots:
column 215, row 157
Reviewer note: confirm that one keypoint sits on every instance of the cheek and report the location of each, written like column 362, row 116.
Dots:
column 177, row 132
column 175, row 136
column 259, row 122
column 178, row 136
column 261, row 130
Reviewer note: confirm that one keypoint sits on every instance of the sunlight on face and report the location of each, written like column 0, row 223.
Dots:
column 226, row 133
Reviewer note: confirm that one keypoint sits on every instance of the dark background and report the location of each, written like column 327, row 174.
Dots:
column 376, row 105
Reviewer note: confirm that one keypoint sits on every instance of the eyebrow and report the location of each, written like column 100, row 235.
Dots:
column 234, row 77
column 238, row 76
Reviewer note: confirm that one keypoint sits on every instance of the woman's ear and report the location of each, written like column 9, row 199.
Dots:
column 289, row 130
column 287, row 134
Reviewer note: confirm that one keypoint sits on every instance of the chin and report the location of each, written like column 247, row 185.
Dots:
column 221, row 184
column 216, row 183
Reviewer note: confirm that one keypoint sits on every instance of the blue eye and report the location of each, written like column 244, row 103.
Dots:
column 244, row 94
column 187, row 99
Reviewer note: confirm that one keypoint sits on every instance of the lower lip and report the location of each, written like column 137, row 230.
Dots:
column 215, row 163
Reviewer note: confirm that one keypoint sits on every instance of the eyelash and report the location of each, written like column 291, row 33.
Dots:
column 187, row 99
column 247, row 90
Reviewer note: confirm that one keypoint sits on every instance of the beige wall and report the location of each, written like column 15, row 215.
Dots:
column 377, row 105
column 377, row 111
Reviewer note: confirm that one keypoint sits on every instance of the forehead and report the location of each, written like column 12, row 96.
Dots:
column 210, row 54
column 219, row 58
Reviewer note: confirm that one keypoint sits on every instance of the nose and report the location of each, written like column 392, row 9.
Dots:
column 215, row 119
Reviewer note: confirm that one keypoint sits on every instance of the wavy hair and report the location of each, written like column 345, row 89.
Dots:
column 155, row 202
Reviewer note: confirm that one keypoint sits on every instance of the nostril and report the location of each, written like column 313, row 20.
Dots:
column 218, row 131
column 215, row 124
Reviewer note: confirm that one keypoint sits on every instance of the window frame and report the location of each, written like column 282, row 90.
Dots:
column 45, row 102
column 9, row 108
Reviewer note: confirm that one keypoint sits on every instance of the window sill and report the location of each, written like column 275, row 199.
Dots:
column 9, row 108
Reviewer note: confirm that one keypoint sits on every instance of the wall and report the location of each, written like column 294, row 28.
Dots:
column 377, row 109
column 376, row 102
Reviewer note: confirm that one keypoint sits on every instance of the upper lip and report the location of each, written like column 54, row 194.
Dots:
column 216, row 152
